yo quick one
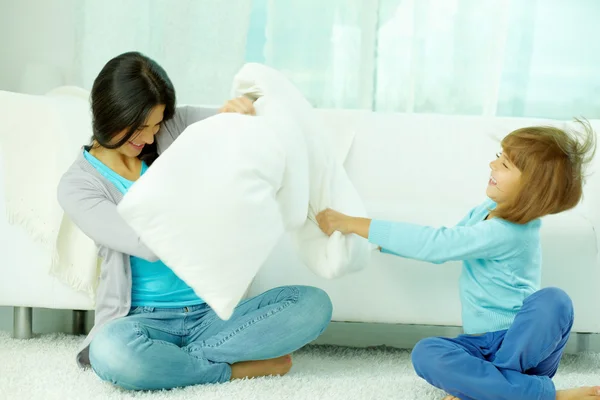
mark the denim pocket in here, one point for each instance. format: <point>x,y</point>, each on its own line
<point>134,310</point>
<point>140,310</point>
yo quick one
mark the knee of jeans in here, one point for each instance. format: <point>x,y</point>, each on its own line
<point>556,301</point>
<point>426,356</point>
<point>319,304</point>
<point>111,355</point>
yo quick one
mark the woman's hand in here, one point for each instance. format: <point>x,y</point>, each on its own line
<point>330,221</point>
<point>241,105</point>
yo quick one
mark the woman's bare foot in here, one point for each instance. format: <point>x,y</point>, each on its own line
<point>451,398</point>
<point>253,369</point>
<point>582,393</point>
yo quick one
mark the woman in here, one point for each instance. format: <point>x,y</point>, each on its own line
<point>151,330</point>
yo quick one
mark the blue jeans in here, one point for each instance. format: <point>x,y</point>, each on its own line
<point>515,364</point>
<point>154,348</point>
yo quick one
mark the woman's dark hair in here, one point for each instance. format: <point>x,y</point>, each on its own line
<point>124,93</point>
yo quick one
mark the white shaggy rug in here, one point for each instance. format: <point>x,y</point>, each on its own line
<point>44,368</point>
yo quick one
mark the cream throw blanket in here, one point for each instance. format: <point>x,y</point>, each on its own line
<point>57,123</point>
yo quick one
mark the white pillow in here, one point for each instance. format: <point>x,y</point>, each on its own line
<point>293,195</point>
<point>211,205</point>
<point>329,187</point>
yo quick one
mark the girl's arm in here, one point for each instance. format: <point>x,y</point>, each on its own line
<point>493,239</point>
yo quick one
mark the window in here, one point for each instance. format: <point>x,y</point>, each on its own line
<point>524,58</point>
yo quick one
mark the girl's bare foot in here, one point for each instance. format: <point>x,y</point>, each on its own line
<point>451,398</point>
<point>587,393</point>
<point>253,369</point>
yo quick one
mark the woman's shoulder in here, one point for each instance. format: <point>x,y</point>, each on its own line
<point>79,172</point>
<point>78,180</point>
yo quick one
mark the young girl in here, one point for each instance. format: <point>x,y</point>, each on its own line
<point>515,333</point>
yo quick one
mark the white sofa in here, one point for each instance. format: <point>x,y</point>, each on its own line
<point>431,169</point>
<point>428,169</point>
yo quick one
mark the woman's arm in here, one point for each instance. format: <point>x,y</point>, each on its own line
<point>491,239</point>
<point>98,218</point>
<point>184,117</point>
<point>187,115</point>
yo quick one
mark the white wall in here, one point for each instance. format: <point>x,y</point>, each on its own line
<point>68,42</point>
<point>34,33</point>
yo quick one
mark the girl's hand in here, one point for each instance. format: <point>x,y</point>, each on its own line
<point>241,105</point>
<point>330,221</point>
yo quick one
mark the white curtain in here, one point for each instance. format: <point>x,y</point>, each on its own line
<point>535,58</point>
<point>200,43</point>
<point>324,47</point>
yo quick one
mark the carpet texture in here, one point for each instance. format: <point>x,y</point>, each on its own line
<point>45,368</point>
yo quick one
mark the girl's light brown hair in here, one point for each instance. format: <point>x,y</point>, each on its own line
<point>552,162</point>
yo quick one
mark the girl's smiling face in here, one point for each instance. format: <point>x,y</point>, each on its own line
<point>504,179</point>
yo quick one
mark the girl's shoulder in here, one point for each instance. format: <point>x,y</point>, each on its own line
<point>519,233</point>
<point>531,226</point>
